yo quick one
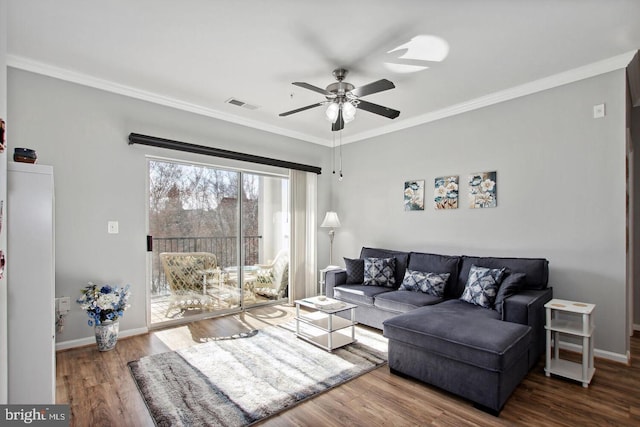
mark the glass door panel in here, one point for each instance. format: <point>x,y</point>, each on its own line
<point>194,224</point>
<point>265,213</point>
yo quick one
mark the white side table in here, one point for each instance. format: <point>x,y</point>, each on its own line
<point>323,274</point>
<point>571,318</point>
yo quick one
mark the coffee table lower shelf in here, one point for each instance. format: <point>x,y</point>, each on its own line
<point>324,328</point>
<point>338,339</point>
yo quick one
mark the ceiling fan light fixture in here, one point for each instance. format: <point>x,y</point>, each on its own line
<point>332,112</point>
<point>348,112</point>
<point>343,99</point>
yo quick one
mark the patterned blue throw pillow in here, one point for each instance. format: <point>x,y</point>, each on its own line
<point>380,272</point>
<point>482,286</point>
<point>428,283</point>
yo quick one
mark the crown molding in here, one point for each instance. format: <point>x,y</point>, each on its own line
<point>49,70</point>
<point>556,80</point>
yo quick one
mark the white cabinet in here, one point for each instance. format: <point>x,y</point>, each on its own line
<point>575,319</point>
<point>30,284</point>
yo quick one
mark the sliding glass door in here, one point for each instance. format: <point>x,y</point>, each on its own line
<point>218,240</point>
<point>265,208</point>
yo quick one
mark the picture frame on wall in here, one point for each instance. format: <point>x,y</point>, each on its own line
<point>483,190</point>
<point>414,195</point>
<point>445,193</point>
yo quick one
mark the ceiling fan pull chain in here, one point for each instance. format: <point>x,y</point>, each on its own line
<point>333,153</point>
<point>340,177</point>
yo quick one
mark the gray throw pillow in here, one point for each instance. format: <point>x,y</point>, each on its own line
<point>380,272</point>
<point>355,271</point>
<point>428,283</point>
<point>482,286</point>
<point>510,286</point>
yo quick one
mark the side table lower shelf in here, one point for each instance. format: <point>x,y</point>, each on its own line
<point>571,370</point>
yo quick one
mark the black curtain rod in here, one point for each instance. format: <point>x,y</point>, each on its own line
<point>136,138</point>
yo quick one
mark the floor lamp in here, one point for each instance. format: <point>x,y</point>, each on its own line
<point>331,221</point>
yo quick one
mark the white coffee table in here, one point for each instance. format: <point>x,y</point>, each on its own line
<point>324,328</point>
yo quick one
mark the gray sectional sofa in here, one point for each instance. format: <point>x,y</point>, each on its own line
<point>478,352</point>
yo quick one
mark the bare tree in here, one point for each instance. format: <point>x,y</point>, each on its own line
<point>198,201</point>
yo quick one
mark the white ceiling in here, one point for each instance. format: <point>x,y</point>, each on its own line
<point>195,54</point>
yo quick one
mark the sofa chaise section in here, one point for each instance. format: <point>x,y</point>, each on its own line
<point>478,352</point>
<point>526,306</point>
<point>469,354</point>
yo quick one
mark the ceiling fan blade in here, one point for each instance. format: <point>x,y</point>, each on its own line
<point>313,88</point>
<point>339,123</point>
<point>378,109</point>
<point>375,87</point>
<point>297,110</point>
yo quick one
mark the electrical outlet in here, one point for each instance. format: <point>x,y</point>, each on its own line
<point>598,111</point>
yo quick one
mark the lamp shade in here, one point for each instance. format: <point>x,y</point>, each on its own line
<point>332,112</point>
<point>331,220</point>
<point>348,112</point>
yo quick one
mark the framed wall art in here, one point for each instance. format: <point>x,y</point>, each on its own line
<point>414,195</point>
<point>483,190</point>
<point>445,194</point>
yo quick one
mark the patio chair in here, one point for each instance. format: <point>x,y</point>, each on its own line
<point>273,278</point>
<point>231,292</point>
<point>188,274</point>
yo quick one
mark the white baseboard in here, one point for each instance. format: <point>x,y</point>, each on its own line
<point>81,342</point>
<point>603,354</point>
<point>636,327</point>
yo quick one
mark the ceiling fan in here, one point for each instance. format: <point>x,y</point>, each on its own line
<point>343,98</point>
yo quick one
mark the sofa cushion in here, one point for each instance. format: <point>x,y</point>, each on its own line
<point>355,270</point>
<point>401,259</point>
<point>536,269</point>
<point>428,283</point>
<point>380,272</point>
<point>482,286</point>
<point>480,341</point>
<point>358,294</point>
<point>509,286</point>
<point>402,301</point>
<point>420,261</point>
<point>470,311</point>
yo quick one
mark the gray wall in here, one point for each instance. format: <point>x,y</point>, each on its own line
<point>561,191</point>
<point>83,133</point>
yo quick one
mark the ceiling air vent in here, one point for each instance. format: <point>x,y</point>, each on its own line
<point>242,104</point>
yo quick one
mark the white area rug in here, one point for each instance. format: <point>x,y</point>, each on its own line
<point>237,382</point>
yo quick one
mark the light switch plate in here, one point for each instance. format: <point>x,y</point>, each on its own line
<point>112,227</point>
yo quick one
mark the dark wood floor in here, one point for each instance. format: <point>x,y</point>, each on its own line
<point>101,392</point>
